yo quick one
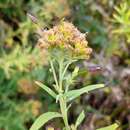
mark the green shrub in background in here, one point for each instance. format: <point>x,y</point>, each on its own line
<point>121,18</point>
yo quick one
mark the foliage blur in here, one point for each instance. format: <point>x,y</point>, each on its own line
<point>107,23</point>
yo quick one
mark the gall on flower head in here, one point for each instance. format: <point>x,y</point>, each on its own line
<point>65,40</point>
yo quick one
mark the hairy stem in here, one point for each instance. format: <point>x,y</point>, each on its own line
<point>54,75</point>
<point>59,87</point>
<point>63,107</point>
<point>61,65</point>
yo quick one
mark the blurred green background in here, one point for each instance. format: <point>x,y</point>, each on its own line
<point>107,23</point>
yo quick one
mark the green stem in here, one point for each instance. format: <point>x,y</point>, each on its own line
<point>67,88</point>
<point>66,67</point>
<point>60,74</point>
<point>54,75</point>
<point>63,107</point>
<point>64,72</point>
<point>62,99</point>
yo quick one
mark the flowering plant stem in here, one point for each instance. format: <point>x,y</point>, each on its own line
<point>63,45</point>
<point>59,88</point>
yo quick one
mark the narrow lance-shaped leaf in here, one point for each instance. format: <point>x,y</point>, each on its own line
<point>80,119</point>
<point>47,89</point>
<point>76,93</point>
<point>44,118</point>
<point>111,127</point>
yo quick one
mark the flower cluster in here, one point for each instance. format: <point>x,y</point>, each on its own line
<point>67,37</point>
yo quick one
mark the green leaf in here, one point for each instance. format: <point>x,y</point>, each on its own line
<point>118,18</point>
<point>80,119</point>
<point>76,93</point>
<point>75,72</point>
<point>47,89</point>
<point>111,127</point>
<point>44,118</point>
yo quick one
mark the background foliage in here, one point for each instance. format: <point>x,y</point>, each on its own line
<point>107,23</point>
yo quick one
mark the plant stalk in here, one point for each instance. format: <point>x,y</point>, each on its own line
<point>62,99</point>
<point>63,107</point>
<point>54,75</point>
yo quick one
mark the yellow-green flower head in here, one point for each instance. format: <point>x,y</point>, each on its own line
<point>65,37</point>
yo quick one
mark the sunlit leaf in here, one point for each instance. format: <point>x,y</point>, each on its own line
<point>111,127</point>
<point>80,119</point>
<point>44,118</point>
<point>47,89</point>
<point>76,93</point>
